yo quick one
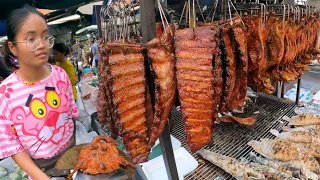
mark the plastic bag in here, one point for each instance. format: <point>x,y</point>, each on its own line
<point>82,136</point>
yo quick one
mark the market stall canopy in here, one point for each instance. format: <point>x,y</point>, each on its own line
<point>88,8</point>
<point>8,5</point>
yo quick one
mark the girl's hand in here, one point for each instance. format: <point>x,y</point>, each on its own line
<point>25,162</point>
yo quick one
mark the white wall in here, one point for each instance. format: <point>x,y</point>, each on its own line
<point>314,3</point>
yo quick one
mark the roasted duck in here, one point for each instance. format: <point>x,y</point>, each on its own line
<point>292,170</point>
<point>243,169</point>
<point>100,156</point>
<point>127,84</point>
<point>195,51</point>
<point>161,53</point>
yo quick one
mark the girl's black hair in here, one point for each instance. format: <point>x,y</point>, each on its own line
<point>14,23</point>
<point>60,47</point>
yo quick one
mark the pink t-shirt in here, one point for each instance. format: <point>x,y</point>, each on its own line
<point>36,119</point>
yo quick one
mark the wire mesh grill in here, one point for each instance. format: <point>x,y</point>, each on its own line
<point>232,139</point>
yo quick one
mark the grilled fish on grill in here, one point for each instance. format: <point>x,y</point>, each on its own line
<point>277,149</point>
<point>243,169</point>
<point>303,136</point>
<point>238,169</point>
<point>195,49</point>
<point>128,89</point>
<point>315,128</point>
<point>161,52</point>
<point>292,170</point>
<point>305,119</point>
<point>287,151</point>
<point>313,149</point>
<point>307,162</point>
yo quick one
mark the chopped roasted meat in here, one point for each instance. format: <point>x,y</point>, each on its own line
<point>100,156</point>
<point>161,52</point>
<point>195,49</point>
<point>249,121</point>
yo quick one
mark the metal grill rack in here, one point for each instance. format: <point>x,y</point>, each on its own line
<point>232,139</point>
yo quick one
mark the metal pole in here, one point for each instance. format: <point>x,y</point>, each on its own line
<point>167,153</point>
<point>298,91</point>
<point>147,19</point>
<point>282,89</point>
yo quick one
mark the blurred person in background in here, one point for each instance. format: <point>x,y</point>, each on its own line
<point>95,51</point>
<point>59,55</point>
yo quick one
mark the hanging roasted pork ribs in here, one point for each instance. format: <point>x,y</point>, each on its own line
<point>195,50</point>
<point>228,64</point>
<point>237,100</point>
<point>127,83</point>
<point>217,68</point>
<point>161,53</point>
<point>102,108</point>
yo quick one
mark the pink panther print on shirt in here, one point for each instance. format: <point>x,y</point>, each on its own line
<point>42,119</point>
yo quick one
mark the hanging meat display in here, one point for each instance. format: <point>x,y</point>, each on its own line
<point>211,66</point>
<point>161,53</point>
<point>195,49</point>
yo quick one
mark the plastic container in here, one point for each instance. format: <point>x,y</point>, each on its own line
<point>155,169</point>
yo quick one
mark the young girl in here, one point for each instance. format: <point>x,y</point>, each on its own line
<point>37,104</point>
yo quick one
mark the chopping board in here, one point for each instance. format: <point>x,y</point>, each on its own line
<point>70,158</point>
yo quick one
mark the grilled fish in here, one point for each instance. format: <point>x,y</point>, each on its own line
<point>277,149</point>
<point>302,136</point>
<point>313,149</point>
<point>305,119</point>
<point>238,169</point>
<point>244,169</point>
<point>308,162</point>
<point>271,173</point>
<point>302,128</point>
<point>292,170</point>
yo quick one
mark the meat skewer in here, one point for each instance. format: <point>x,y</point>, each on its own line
<point>161,52</point>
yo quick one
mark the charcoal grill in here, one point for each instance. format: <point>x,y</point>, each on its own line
<point>231,139</point>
